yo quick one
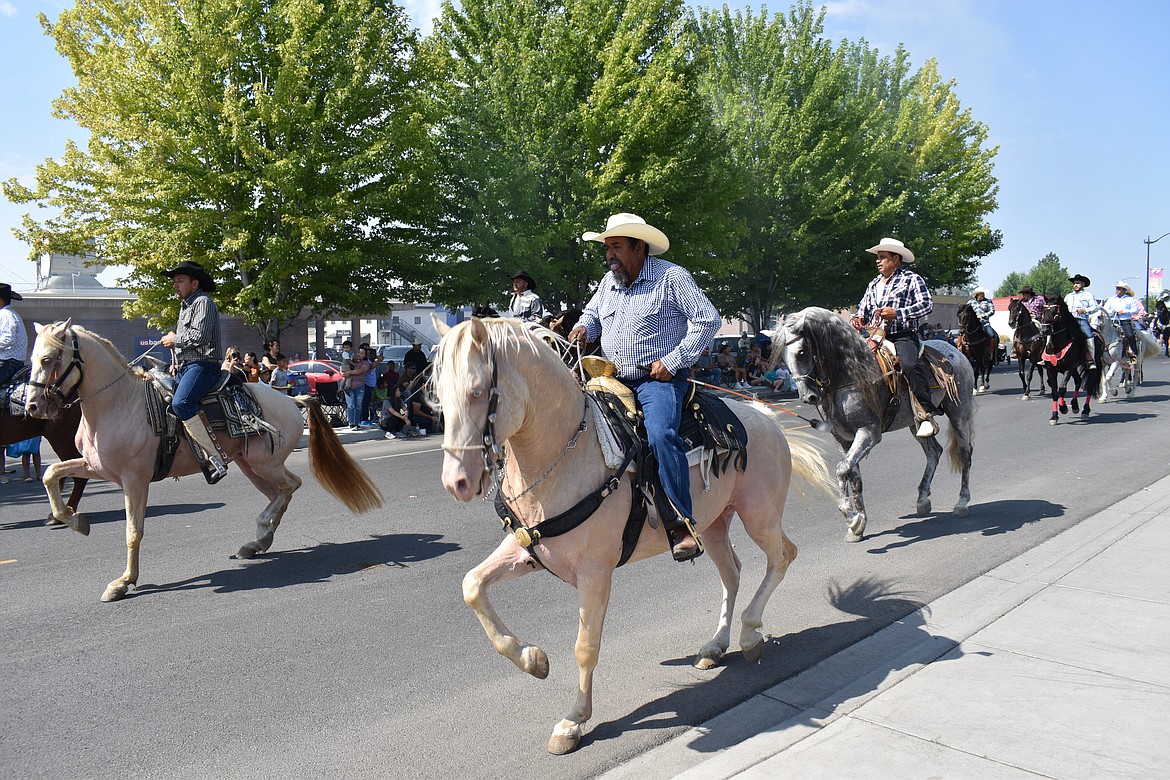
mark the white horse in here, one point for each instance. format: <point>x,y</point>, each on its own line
<point>503,388</point>
<point>117,441</point>
<point>1119,372</point>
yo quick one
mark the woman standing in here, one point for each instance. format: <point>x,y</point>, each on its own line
<point>354,370</point>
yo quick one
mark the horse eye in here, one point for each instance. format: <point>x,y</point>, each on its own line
<point>477,393</point>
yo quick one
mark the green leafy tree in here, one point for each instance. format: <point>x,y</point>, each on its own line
<point>277,143</point>
<point>1011,284</point>
<point>1049,278</point>
<point>554,115</point>
<point>835,148</point>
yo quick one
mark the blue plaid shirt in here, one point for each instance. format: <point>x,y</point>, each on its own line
<point>662,315</point>
<point>906,292</point>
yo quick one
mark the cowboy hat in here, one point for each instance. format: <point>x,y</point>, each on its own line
<point>632,226</point>
<point>6,291</point>
<point>1124,285</point>
<point>1027,288</point>
<point>895,246</point>
<point>978,290</point>
<point>195,271</point>
<point>1084,280</point>
<point>1164,294</point>
<point>524,275</point>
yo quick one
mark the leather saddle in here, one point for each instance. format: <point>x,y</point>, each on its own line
<point>229,406</point>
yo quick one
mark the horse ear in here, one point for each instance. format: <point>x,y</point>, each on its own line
<point>65,325</point>
<point>38,327</point>
<point>441,326</point>
<point>479,331</point>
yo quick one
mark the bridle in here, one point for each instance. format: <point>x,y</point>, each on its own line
<point>813,379</point>
<point>53,391</point>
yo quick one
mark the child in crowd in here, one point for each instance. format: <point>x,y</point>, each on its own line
<point>280,380</point>
<point>29,452</point>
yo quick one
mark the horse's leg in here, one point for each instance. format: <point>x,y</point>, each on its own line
<point>1027,383</point>
<point>763,524</point>
<point>849,480</point>
<point>507,562</point>
<point>933,451</point>
<point>960,452</point>
<point>135,495</point>
<point>59,511</point>
<point>718,545</point>
<point>277,484</point>
<point>593,589</point>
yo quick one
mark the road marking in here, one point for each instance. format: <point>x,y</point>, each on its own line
<point>402,454</point>
<point>4,562</point>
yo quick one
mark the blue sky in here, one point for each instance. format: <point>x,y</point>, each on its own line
<point>1076,95</point>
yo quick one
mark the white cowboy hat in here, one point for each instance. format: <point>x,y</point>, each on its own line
<point>978,290</point>
<point>893,245</point>
<point>1123,285</point>
<point>632,226</point>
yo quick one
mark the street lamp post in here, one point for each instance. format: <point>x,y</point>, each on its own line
<point>1147,242</point>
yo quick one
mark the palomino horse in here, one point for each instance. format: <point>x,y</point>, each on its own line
<point>977,346</point>
<point>118,442</point>
<point>1062,355</point>
<point>501,386</point>
<point>1120,370</point>
<point>60,432</point>
<point>1027,344</point>
<point>836,371</point>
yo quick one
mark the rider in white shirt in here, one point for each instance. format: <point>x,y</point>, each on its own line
<point>1082,304</point>
<point>1125,311</point>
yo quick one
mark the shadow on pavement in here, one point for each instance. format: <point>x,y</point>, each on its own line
<point>989,519</point>
<point>314,564</point>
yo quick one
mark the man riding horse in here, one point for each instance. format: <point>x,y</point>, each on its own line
<point>13,336</point>
<point>654,323</point>
<point>197,359</point>
<point>983,309</point>
<point>1083,305</point>
<point>899,298</point>
<point>1127,312</point>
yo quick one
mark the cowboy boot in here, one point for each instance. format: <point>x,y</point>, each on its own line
<point>211,462</point>
<point>685,542</point>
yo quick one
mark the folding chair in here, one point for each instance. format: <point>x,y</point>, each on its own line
<point>332,402</point>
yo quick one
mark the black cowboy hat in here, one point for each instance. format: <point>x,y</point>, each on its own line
<point>524,275</point>
<point>1027,288</point>
<point>6,291</point>
<point>1080,278</point>
<point>195,271</point>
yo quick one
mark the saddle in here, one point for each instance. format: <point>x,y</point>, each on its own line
<point>12,395</point>
<point>229,406</point>
<point>715,438</point>
<point>942,376</point>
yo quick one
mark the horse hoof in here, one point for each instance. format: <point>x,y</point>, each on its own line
<point>560,744</point>
<point>114,593</point>
<point>707,661</point>
<point>923,508</point>
<point>1052,421</point>
<point>52,522</point>
<point>960,511</point>
<point>852,537</point>
<point>535,662</point>
<point>1085,413</point>
<point>247,552</point>
<point>754,653</point>
<point>78,523</point>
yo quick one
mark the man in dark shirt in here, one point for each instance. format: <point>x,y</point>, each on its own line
<point>197,359</point>
<point>416,358</point>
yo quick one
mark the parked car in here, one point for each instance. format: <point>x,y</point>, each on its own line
<point>393,352</point>
<point>315,371</point>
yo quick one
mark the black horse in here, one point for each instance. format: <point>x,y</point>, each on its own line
<point>1027,344</point>
<point>977,346</point>
<point>1063,354</point>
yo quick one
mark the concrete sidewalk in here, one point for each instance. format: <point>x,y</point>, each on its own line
<point>1056,664</point>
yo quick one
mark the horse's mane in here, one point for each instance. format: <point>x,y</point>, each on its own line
<point>54,337</point>
<point>505,336</point>
<point>840,353</point>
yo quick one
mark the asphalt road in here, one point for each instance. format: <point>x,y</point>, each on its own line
<point>347,651</point>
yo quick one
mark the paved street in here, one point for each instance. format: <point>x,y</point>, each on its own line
<point>348,651</point>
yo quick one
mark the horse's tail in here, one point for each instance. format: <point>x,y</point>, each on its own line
<point>332,465</point>
<point>809,464</point>
<point>954,450</point>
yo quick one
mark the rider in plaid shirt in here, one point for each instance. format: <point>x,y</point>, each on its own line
<point>899,298</point>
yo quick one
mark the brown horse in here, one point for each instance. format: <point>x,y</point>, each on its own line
<point>60,432</point>
<point>118,442</point>
<point>1027,344</point>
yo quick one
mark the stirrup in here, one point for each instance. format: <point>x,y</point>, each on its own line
<point>927,428</point>
<point>688,553</point>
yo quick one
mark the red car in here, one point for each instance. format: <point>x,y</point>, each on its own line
<point>316,371</point>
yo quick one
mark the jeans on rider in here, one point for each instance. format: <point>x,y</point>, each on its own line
<point>662,404</point>
<point>195,380</point>
<point>9,367</point>
<point>1087,331</point>
<point>990,331</point>
<point>1127,330</point>
<point>906,345</point>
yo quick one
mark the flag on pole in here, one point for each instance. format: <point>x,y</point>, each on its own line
<point>1155,281</point>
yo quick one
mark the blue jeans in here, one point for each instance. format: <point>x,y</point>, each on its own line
<point>1083,322</point>
<point>353,403</point>
<point>195,379</point>
<point>662,409</point>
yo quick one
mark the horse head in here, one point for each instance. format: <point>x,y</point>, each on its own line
<point>56,370</point>
<point>1018,313</point>
<point>824,354</point>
